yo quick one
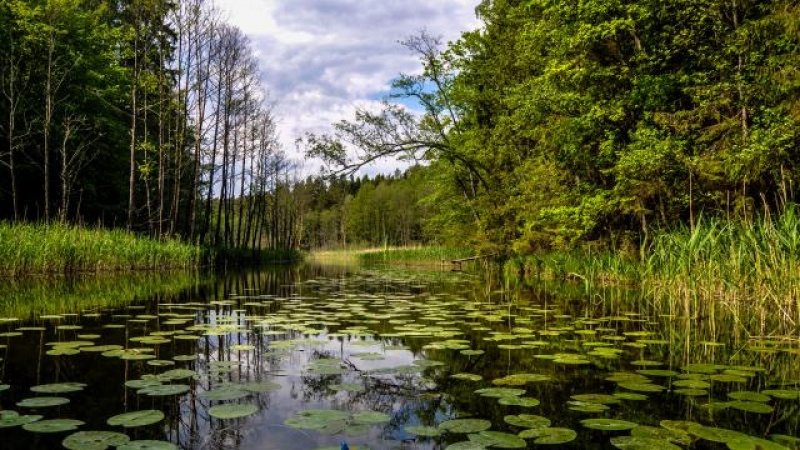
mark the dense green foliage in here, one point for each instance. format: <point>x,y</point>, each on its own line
<point>55,248</point>
<point>143,114</point>
<point>560,122</point>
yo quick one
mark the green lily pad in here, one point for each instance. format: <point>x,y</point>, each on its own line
<point>603,399</point>
<point>549,436</point>
<point>498,439</point>
<point>369,417</point>
<point>632,396</point>
<point>783,394</point>
<point>500,392</point>
<point>463,426</point>
<point>692,384</point>
<point>608,424</point>
<point>752,407</point>
<point>94,440</point>
<point>527,421</point>
<point>749,396</point>
<point>58,388</point>
<point>42,402</point>
<point>148,445</point>
<point>642,443</point>
<point>586,407</point>
<point>316,419</point>
<point>136,418</point>
<point>141,384</point>
<point>675,436</point>
<point>467,377</point>
<point>642,387</point>
<point>52,425</point>
<point>691,392</point>
<point>524,402</point>
<point>163,390</point>
<point>232,411</point>
<point>4,387</point>
<point>14,419</point>
<point>424,431</point>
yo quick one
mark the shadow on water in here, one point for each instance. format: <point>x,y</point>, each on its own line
<point>387,349</point>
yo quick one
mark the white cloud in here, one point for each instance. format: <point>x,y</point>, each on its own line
<point>322,58</point>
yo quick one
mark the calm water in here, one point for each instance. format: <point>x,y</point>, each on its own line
<point>395,354</point>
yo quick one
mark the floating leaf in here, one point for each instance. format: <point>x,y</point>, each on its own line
<point>53,425</point>
<point>232,411</point>
<point>549,436</point>
<point>136,418</point>
<point>527,421</point>
<point>467,377</point>
<point>524,402</point>
<point>225,393</point>
<point>14,419</point>
<point>465,445</point>
<point>500,392</point>
<point>499,439</point>
<point>58,388</point>
<point>603,399</point>
<point>752,407</point>
<point>162,390</point>
<point>676,436</point>
<point>749,396</point>
<point>463,426</point>
<point>608,424</point>
<point>370,417</point>
<point>424,431</point>
<point>43,402</point>
<point>94,440</point>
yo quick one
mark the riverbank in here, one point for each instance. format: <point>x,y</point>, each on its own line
<point>38,249</point>
<point>414,256</point>
<point>750,269</point>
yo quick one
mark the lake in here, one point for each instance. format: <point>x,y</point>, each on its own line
<point>305,357</point>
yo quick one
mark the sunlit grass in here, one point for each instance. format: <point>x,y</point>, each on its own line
<point>56,248</point>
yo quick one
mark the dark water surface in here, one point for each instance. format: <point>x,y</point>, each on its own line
<point>387,350</point>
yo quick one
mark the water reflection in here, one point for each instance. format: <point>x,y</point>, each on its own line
<point>313,337</point>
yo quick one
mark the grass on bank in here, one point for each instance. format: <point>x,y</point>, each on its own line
<point>391,255</point>
<point>749,268</point>
<point>58,248</point>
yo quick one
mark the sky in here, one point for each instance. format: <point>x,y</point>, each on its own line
<point>323,59</point>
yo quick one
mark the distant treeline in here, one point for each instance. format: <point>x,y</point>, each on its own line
<point>147,115</point>
<point>361,211</point>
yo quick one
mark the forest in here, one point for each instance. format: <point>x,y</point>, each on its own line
<point>561,123</point>
<point>552,125</point>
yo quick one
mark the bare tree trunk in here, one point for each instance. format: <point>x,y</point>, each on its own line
<point>132,149</point>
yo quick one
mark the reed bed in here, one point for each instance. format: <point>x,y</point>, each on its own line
<point>412,255</point>
<point>747,269</point>
<point>56,248</point>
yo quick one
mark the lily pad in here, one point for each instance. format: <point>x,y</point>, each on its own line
<point>14,419</point>
<point>498,439</point>
<point>549,436</point>
<point>53,425</point>
<point>524,402</point>
<point>527,421</point>
<point>136,418</point>
<point>500,392</point>
<point>603,399</point>
<point>465,445</point>
<point>749,396</point>
<point>608,424</point>
<point>675,436</point>
<point>58,388</point>
<point>752,407</point>
<point>463,426</point>
<point>94,440</point>
<point>369,417</point>
<point>42,402</point>
<point>232,411</point>
<point>225,393</point>
<point>163,390</point>
<point>424,431</point>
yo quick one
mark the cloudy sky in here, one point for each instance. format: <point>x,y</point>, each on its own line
<point>321,59</point>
